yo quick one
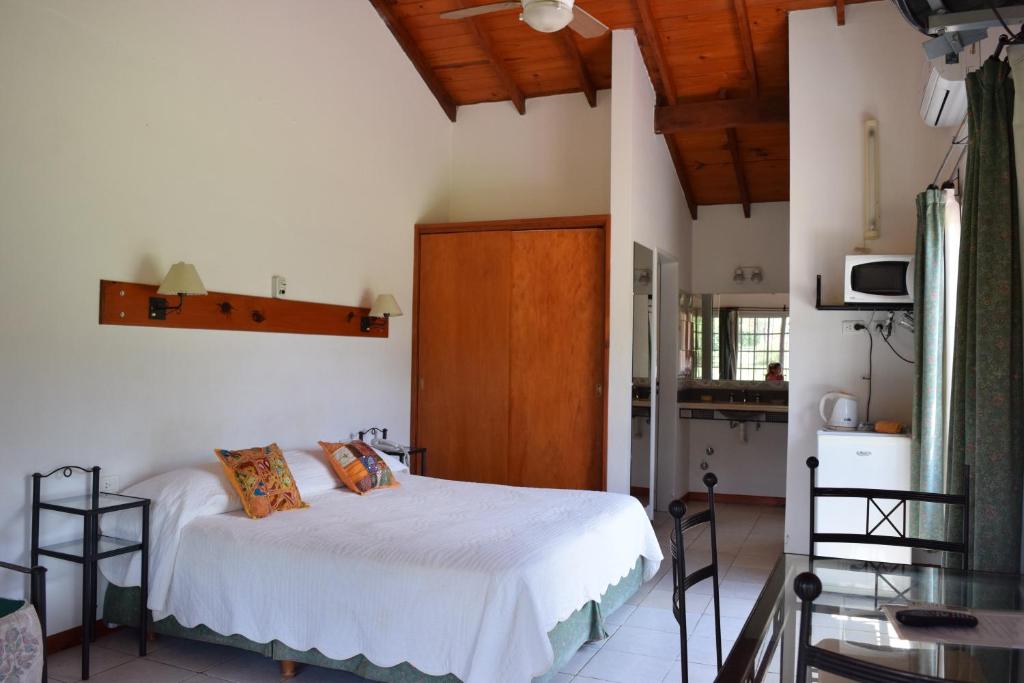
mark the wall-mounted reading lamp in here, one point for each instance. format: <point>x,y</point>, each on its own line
<point>182,279</point>
<point>384,307</point>
<point>740,274</point>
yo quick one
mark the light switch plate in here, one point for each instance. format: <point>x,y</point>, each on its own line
<point>278,286</point>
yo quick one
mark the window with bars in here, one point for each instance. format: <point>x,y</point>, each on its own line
<point>763,338</point>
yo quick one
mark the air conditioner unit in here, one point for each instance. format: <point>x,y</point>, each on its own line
<point>944,102</point>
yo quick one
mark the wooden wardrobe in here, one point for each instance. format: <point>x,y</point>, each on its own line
<point>510,351</point>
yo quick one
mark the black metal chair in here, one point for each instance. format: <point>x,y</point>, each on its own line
<point>37,598</point>
<point>681,581</point>
<point>901,539</point>
<point>808,587</point>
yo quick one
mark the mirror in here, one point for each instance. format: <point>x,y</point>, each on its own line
<point>644,371</point>
<point>734,337</point>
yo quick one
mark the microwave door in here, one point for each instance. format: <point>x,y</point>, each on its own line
<point>880,278</point>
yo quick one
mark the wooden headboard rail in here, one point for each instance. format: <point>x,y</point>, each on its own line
<point>127,303</point>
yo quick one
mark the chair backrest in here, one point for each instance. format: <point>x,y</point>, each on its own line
<point>681,581</point>
<point>37,596</point>
<point>886,522</point>
<point>807,587</point>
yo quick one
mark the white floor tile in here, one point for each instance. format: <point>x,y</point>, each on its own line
<point>195,655</point>
<point>624,667</point>
<point>698,673</point>
<point>653,618</point>
<point>738,608</point>
<point>67,664</point>
<point>142,670</point>
<point>126,640</point>
<point>619,616</point>
<point>657,598</point>
<point>248,668</point>
<point>642,641</point>
<point>580,659</point>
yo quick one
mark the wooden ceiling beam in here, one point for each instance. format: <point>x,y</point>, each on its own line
<point>386,10</point>
<point>572,51</point>
<point>651,43</point>
<point>840,12</point>
<point>747,43</point>
<point>487,47</point>
<point>718,114</point>
<point>733,143</point>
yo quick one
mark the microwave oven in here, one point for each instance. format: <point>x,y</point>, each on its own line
<point>873,279</point>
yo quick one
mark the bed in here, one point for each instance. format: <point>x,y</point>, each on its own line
<point>435,580</point>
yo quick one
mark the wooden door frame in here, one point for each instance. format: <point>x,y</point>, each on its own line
<point>602,221</point>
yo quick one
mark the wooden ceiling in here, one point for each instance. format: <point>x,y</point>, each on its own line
<point>719,68</point>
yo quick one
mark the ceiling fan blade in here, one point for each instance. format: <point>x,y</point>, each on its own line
<point>482,9</point>
<point>585,24</point>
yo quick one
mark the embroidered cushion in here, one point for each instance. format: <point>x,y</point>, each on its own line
<point>262,479</point>
<point>359,466</point>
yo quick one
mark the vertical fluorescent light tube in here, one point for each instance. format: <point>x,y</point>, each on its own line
<point>872,182</point>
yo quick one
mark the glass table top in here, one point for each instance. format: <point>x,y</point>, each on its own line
<point>848,618</point>
<point>106,500</point>
<point>104,544</point>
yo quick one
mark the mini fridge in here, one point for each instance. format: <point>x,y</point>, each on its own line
<point>861,460</point>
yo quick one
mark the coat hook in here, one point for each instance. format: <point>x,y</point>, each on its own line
<point>225,307</point>
<point>258,317</point>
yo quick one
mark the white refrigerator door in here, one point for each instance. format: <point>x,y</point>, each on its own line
<point>862,461</point>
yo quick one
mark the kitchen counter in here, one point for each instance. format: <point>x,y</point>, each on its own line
<point>733,405</point>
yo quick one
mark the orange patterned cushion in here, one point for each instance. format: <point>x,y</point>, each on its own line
<point>358,466</point>
<point>262,479</point>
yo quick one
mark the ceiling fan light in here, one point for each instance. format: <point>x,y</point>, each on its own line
<point>547,16</point>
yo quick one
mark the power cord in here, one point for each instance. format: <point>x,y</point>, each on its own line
<point>885,332</point>
<point>871,352</point>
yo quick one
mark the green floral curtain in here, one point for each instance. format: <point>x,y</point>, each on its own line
<point>928,443</point>
<point>986,429</point>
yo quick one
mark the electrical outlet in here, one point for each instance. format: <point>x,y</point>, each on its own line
<point>850,326</point>
<point>109,483</point>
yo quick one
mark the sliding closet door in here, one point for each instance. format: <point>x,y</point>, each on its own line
<point>463,354</point>
<point>557,350</point>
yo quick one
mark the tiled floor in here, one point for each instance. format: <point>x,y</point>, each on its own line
<point>643,645</point>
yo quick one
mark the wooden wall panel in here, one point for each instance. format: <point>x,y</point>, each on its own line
<point>556,420</point>
<point>462,352</point>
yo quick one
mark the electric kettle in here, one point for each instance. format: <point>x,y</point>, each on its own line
<point>843,415</point>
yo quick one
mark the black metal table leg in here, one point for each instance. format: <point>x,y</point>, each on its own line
<point>144,583</point>
<point>86,583</point>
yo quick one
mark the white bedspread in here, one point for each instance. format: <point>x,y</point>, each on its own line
<point>449,576</point>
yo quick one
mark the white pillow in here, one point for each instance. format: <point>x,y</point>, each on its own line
<point>312,473</point>
<point>177,497</point>
<point>394,463</point>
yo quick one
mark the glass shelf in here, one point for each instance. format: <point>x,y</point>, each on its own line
<point>107,546</point>
<point>107,501</point>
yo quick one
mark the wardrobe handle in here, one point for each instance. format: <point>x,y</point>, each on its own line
<point>600,389</point>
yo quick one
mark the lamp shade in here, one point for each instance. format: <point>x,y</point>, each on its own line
<point>385,306</point>
<point>547,16</point>
<point>182,278</point>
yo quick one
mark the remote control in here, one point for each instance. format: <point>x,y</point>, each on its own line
<point>936,617</point>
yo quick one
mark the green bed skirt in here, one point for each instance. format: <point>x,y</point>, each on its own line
<point>120,606</point>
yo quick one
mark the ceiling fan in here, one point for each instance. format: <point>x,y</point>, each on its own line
<point>546,16</point>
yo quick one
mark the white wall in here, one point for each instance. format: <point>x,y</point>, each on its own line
<point>840,76</point>
<point>756,467</point>
<point>232,134</point>
<point>723,239</point>
<point>647,206</point>
<point>553,161</point>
